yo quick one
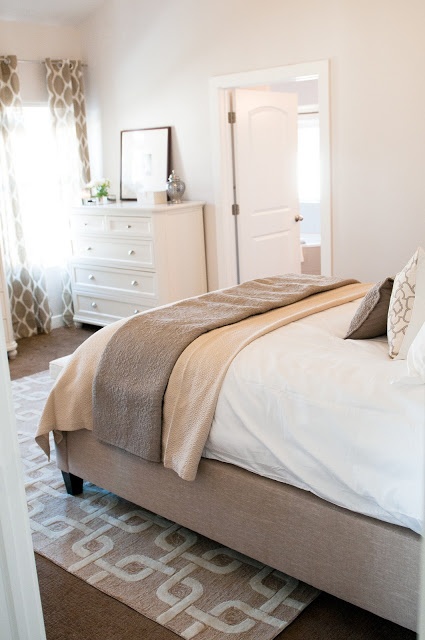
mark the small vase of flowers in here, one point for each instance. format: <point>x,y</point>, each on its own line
<point>100,190</point>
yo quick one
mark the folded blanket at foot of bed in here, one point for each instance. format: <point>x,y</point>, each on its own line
<point>141,355</point>
<point>128,365</point>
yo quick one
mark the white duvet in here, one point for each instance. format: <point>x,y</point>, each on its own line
<point>324,414</point>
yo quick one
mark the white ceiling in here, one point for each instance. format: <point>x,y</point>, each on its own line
<point>57,12</point>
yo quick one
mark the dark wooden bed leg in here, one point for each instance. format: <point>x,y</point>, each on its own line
<point>73,484</point>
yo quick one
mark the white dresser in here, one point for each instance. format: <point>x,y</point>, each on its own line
<point>129,257</point>
<point>11,345</point>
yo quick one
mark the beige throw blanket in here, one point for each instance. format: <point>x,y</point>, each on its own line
<point>133,372</point>
<point>195,382</point>
<point>189,402</point>
<point>69,406</point>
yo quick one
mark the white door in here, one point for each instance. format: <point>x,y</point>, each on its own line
<point>265,172</point>
<point>21,616</point>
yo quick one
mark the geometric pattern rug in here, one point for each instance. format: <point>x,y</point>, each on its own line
<point>183,581</point>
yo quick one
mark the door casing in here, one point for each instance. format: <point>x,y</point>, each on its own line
<point>222,158</point>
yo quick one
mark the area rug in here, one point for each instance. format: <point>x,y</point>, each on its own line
<point>29,395</point>
<point>181,580</point>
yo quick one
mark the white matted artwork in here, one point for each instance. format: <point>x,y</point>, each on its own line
<point>145,161</point>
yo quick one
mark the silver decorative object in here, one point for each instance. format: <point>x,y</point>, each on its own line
<point>175,188</point>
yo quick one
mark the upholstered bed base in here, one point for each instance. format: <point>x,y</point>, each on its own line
<point>371,564</point>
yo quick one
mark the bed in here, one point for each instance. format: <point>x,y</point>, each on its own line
<point>310,460</point>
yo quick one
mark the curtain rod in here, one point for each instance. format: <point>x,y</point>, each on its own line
<point>7,60</point>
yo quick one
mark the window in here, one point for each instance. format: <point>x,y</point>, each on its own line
<point>43,215</point>
<point>308,158</point>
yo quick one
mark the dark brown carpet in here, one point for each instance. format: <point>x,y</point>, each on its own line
<point>74,610</point>
<point>34,354</point>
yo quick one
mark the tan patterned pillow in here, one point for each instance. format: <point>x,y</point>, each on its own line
<point>417,318</point>
<point>401,304</point>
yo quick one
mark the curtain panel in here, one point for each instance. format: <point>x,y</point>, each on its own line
<point>67,107</point>
<point>26,283</point>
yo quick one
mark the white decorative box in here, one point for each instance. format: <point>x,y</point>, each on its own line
<point>152,197</point>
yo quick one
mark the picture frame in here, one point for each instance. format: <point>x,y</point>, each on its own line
<point>145,161</point>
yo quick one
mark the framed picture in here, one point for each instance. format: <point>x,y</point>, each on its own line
<point>145,161</point>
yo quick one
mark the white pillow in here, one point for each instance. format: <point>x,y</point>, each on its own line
<point>416,357</point>
<point>415,364</point>
<point>406,312</point>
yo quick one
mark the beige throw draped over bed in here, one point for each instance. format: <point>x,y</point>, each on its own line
<point>149,384</point>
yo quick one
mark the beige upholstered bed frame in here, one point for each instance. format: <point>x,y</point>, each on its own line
<point>371,564</point>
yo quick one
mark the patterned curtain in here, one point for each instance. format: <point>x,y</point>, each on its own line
<point>67,106</point>
<point>26,283</point>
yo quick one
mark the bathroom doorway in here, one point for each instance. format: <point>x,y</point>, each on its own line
<point>305,79</point>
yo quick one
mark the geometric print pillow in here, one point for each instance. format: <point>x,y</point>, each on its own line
<point>417,318</point>
<point>401,304</point>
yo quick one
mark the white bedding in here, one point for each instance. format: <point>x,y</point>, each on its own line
<point>335,424</point>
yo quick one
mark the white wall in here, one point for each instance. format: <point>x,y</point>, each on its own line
<point>150,64</point>
<point>36,42</point>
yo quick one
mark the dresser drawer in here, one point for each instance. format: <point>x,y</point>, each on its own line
<point>138,252</point>
<point>86,223</point>
<point>99,310</point>
<point>128,257</point>
<point>139,282</point>
<point>130,226</point>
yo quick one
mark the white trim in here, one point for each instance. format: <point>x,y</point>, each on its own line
<point>219,86</point>
<point>57,322</point>
<point>421,621</point>
<point>21,616</point>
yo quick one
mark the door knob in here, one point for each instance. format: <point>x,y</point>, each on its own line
<point>299,217</point>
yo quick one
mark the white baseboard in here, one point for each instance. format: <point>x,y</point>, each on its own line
<point>57,322</point>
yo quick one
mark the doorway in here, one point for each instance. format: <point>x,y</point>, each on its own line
<point>264,136</point>
<point>224,192</point>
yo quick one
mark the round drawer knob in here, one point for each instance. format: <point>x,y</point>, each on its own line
<point>94,305</point>
<point>131,252</point>
<point>91,277</point>
<point>129,226</point>
<point>136,311</point>
<point>134,283</point>
<point>89,248</point>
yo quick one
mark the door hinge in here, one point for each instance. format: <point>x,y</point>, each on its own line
<point>235,209</point>
<point>231,117</point>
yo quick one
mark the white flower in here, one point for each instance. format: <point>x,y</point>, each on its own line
<point>99,188</point>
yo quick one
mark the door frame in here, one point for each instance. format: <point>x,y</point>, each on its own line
<point>21,615</point>
<point>222,161</point>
